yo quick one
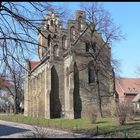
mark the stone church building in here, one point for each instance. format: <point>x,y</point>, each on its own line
<point>62,83</point>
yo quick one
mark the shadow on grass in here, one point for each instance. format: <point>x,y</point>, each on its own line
<point>134,124</point>
<point>99,122</point>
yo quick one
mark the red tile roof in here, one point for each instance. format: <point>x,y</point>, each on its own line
<point>5,83</point>
<point>33,64</point>
<point>127,85</point>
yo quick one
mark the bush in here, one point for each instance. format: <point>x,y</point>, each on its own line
<point>124,111</point>
<point>121,113</point>
<point>130,113</point>
<point>39,132</point>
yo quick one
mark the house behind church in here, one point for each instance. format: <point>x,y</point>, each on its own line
<point>6,99</point>
<point>128,90</point>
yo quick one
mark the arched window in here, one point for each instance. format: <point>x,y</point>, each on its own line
<point>51,22</point>
<point>47,26</point>
<point>55,27</point>
<point>64,42</point>
<point>43,52</point>
<point>54,36</point>
<point>56,50</point>
<point>91,74</point>
<point>49,40</point>
<point>72,33</point>
<point>87,46</point>
<point>79,23</point>
<point>94,46</point>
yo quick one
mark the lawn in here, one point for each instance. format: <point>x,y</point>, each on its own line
<point>104,126</point>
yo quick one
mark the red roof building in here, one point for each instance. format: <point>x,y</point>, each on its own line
<point>6,99</point>
<point>33,64</point>
<point>5,83</point>
<point>127,88</point>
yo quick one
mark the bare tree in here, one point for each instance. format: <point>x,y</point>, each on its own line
<point>20,24</point>
<point>116,64</point>
<point>6,100</point>
<point>99,33</point>
<point>99,21</point>
<point>14,73</point>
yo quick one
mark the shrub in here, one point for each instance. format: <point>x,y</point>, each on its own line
<point>121,113</point>
<point>125,111</point>
<point>130,113</point>
<point>40,132</point>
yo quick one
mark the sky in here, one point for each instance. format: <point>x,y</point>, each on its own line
<point>127,51</point>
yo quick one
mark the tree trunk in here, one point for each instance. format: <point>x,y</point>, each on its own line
<point>98,96</point>
<point>15,105</point>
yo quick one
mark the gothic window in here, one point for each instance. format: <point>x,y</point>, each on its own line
<point>49,40</point>
<point>42,52</point>
<point>94,46</point>
<point>80,23</point>
<point>55,27</point>
<point>54,36</point>
<point>56,50</point>
<point>47,26</point>
<point>64,42</point>
<point>87,46</point>
<point>90,48</point>
<point>72,33</point>
<point>51,22</point>
<point>91,75</point>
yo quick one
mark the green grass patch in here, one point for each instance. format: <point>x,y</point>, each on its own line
<point>104,126</point>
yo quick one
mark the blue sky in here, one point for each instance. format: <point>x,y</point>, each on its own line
<point>126,14</point>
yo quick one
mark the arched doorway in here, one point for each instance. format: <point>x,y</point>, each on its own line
<point>55,104</point>
<point>76,94</point>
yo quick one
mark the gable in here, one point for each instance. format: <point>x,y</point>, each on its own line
<point>127,85</point>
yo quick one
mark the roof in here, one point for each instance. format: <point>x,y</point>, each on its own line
<point>137,98</point>
<point>33,64</point>
<point>127,85</point>
<point>4,83</point>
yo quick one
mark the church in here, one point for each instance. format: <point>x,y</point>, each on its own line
<point>63,84</point>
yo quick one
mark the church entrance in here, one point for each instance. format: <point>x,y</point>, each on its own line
<point>55,105</point>
<point>77,103</point>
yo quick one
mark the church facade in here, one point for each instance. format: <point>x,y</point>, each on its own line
<point>62,83</point>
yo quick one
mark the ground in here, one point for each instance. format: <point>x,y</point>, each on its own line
<point>107,127</point>
<point>19,130</point>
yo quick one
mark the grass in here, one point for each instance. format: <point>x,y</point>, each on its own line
<point>104,126</point>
